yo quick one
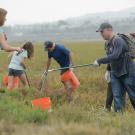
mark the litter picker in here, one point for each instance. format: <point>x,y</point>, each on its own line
<point>44,75</point>
<point>43,81</point>
<point>76,66</point>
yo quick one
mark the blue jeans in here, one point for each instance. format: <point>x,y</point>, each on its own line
<point>109,98</point>
<point>119,86</point>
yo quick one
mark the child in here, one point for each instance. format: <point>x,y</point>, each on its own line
<point>17,64</point>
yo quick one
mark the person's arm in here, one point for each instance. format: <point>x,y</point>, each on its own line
<point>23,64</point>
<point>23,55</point>
<point>118,46</point>
<point>48,63</point>
<point>6,46</point>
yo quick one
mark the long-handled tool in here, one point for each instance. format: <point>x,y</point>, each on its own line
<point>44,75</point>
<point>43,81</point>
<point>76,66</point>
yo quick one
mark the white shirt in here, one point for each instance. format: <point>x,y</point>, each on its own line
<point>15,62</point>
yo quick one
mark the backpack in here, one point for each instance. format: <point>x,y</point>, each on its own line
<point>130,42</point>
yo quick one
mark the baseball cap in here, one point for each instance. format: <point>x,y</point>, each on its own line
<point>48,44</point>
<point>103,26</point>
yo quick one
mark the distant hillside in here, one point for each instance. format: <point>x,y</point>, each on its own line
<point>78,28</point>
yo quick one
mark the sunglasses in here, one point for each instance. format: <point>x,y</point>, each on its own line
<point>101,31</point>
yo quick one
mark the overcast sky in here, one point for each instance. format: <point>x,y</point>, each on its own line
<point>36,11</point>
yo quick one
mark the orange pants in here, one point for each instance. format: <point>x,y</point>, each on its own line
<point>70,76</point>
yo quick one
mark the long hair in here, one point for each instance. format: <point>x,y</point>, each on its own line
<point>3,14</point>
<point>30,49</point>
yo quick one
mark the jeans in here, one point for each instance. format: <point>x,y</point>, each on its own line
<point>119,86</point>
<point>109,98</point>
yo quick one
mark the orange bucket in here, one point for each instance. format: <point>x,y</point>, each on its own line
<point>42,103</point>
<point>15,81</point>
<point>5,80</point>
<point>69,75</point>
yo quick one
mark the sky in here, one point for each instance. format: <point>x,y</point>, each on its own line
<point>39,11</point>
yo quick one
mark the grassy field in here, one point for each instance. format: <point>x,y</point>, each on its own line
<point>84,116</point>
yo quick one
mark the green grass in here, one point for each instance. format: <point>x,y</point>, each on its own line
<point>84,116</point>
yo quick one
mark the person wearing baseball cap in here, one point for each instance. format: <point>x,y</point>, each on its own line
<point>47,45</point>
<point>109,98</point>
<point>121,65</point>
<point>103,26</point>
<point>63,57</point>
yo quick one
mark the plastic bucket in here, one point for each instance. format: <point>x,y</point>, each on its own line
<point>70,76</point>
<point>15,81</point>
<point>42,103</point>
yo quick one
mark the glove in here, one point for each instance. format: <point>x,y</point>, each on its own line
<point>107,76</point>
<point>46,72</point>
<point>96,63</point>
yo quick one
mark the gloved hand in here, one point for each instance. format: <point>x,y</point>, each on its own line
<point>107,76</point>
<point>46,72</point>
<point>96,63</point>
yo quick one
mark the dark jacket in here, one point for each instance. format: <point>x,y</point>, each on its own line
<point>117,57</point>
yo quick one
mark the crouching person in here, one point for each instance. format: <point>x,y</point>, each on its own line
<point>64,59</point>
<point>17,64</point>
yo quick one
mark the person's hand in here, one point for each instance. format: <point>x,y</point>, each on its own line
<point>107,76</point>
<point>96,63</point>
<point>19,49</point>
<point>46,72</point>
